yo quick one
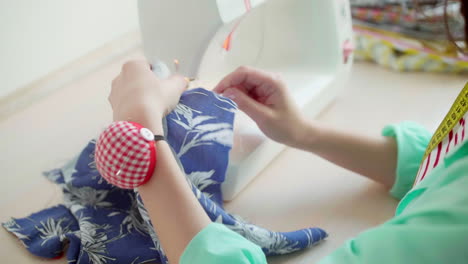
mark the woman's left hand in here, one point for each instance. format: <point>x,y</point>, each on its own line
<point>139,96</point>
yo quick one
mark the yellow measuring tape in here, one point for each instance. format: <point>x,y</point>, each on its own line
<point>456,112</point>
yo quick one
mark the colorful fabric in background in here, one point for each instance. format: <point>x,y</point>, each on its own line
<point>99,223</point>
<point>406,37</point>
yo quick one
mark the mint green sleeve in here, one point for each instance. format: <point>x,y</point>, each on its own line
<point>217,244</point>
<point>412,140</point>
<point>432,230</point>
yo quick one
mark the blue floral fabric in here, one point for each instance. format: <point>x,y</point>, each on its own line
<point>103,224</point>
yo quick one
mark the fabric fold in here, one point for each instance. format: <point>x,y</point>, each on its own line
<point>104,224</point>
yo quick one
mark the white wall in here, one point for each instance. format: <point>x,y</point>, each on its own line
<point>40,36</point>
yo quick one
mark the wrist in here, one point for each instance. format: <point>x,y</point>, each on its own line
<point>306,135</point>
<point>150,115</point>
<point>153,122</point>
<point>155,126</point>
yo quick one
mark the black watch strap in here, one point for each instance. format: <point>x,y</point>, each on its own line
<point>158,138</point>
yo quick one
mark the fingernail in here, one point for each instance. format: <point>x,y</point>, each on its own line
<point>229,94</point>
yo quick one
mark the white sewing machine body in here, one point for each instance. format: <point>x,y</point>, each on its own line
<point>306,41</point>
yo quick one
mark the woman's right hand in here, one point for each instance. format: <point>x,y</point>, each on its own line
<point>266,99</point>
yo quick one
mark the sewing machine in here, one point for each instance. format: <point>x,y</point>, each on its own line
<point>308,41</point>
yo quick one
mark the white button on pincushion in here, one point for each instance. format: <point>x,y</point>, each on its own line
<point>147,134</point>
<point>125,154</point>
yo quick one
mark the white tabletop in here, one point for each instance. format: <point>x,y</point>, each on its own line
<point>297,190</point>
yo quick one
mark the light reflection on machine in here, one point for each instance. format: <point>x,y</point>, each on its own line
<point>306,41</point>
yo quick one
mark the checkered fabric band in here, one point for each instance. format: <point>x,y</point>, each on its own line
<point>125,154</point>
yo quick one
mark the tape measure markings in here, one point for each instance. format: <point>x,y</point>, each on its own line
<point>453,117</point>
<point>457,111</point>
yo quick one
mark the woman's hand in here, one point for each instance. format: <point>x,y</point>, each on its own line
<point>265,98</point>
<point>137,95</point>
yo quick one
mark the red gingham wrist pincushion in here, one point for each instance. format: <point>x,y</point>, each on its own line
<point>125,154</point>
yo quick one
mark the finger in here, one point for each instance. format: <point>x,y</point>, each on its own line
<point>132,65</point>
<point>236,77</point>
<point>244,77</point>
<point>115,81</point>
<point>176,82</point>
<point>252,108</point>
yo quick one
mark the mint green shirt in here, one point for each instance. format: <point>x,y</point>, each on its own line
<point>430,225</point>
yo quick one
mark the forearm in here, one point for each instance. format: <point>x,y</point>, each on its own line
<point>139,96</point>
<point>174,210</point>
<point>373,157</point>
